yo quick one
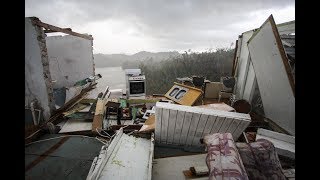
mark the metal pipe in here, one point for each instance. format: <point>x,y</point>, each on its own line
<point>39,115</point>
<point>33,113</point>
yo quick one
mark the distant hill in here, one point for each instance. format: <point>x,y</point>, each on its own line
<point>131,61</point>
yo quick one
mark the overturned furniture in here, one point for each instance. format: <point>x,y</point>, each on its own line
<point>183,94</point>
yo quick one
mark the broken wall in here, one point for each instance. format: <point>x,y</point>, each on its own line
<point>70,59</point>
<point>245,74</point>
<point>273,75</point>
<point>247,85</point>
<point>38,84</point>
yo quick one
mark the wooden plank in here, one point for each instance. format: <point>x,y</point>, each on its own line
<point>179,124</point>
<point>193,127</point>
<point>52,31</point>
<point>209,125</point>
<point>105,93</point>
<point>225,125</point>
<point>199,131</point>
<point>164,125</point>
<point>84,101</point>
<point>58,114</point>
<point>99,115</point>
<point>58,29</point>
<point>217,124</point>
<point>158,124</point>
<point>171,125</point>
<point>76,108</point>
<point>185,127</point>
<point>100,107</point>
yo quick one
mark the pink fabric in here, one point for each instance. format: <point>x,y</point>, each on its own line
<point>223,158</point>
<point>261,160</point>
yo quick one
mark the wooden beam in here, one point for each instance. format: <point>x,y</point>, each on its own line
<point>52,31</point>
<point>106,91</point>
<point>37,22</point>
<point>58,113</point>
<point>234,59</point>
<point>99,115</point>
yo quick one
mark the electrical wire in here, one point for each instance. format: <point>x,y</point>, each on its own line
<point>58,138</point>
<point>108,136</point>
<point>102,141</point>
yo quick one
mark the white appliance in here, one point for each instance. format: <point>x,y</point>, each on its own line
<point>135,84</point>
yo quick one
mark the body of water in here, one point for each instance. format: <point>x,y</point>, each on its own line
<point>114,77</point>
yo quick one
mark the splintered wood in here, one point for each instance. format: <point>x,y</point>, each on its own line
<point>99,115</point>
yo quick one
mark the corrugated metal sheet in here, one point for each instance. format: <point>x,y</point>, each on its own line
<point>127,157</point>
<point>185,125</point>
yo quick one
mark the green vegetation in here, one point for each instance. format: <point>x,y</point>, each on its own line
<point>212,65</point>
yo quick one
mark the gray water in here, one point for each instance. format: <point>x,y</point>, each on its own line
<point>114,77</point>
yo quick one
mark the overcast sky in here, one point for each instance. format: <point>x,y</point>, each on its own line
<point>130,26</point>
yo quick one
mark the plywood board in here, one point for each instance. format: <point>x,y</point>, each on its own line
<point>273,77</point>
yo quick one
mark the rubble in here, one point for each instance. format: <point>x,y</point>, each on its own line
<point>198,129</point>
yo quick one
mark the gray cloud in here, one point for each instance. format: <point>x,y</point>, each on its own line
<point>178,22</point>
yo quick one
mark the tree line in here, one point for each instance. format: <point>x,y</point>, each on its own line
<point>211,64</point>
